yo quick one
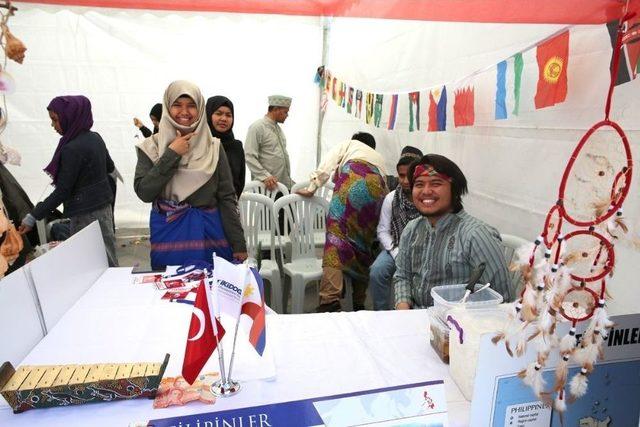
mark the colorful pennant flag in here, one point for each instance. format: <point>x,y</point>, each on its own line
<point>630,53</point>
<point>393,111</point>
<point>463,107</point>
<point>437,109</point>
<point>414,111</point>
<point>370,99</point>
<point>553,61</point>
<point>341,94</point>
<point>350,100</point>
<point>377,110</point>
<point>334,90</point>
<point>201,341</point>
<point>509,79</point>
<point>359,103</point>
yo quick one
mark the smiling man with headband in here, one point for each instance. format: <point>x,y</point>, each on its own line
<point>444,244</point>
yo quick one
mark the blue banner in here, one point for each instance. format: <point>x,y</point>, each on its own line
<point>425,401</point>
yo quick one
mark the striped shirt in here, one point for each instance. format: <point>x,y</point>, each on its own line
<point>445,255</point>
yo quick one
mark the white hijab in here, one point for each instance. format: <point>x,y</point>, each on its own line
<point>199,163</point>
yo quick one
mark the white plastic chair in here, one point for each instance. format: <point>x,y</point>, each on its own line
<point>260,188</point>
<point>304,267</point>
<point>256,216</point>
<point>319,225</point>
<point>510,244</point>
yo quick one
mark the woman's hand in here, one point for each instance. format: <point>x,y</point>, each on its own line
<point>137,123</point>
<point>305,193</point>
<point>181,144</point>
<point>24,229</point>
<point>240,256</point>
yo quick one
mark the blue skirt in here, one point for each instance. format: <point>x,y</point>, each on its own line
<point>181,233</point>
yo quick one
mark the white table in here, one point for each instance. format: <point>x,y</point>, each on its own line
<point>314,354</point>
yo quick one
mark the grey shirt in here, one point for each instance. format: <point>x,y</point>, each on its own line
<point>265,150</point>
<point>218,192</point>
<point>445,255</point>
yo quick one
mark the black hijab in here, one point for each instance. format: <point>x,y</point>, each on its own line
<point>233,148</point>
<point>213,104</point>
<point>156,112</point>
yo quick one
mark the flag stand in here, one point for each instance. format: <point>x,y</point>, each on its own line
<point>225,386</point>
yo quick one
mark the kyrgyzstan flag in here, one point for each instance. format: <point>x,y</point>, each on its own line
<point>553,61</point>
<point>201,342</point>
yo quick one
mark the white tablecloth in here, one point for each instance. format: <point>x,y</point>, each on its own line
<point>310,355</point>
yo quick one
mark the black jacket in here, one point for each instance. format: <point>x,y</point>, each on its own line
<point>235,157</point>
<point>83,185</point>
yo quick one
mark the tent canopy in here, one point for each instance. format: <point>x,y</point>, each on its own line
<point>496,11</point>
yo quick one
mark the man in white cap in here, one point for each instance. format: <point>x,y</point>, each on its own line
<point>265,147</point>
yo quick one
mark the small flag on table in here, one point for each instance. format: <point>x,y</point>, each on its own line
<point>201,341</point>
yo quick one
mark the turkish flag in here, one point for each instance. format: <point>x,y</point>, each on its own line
<point>201,342</point>
<point>553,61</point>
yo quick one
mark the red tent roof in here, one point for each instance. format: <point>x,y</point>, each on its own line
<point>503,11</point>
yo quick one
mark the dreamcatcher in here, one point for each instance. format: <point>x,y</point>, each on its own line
<point>565,274</point>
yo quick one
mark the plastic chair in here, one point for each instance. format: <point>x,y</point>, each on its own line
<point>324,192</point>
<point>256,216</point>
<point>510,244</point>
<point>304,267</point>
<point>319,225</point>
<point>259,188</point>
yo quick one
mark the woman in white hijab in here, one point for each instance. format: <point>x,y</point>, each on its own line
<point>185,174</point>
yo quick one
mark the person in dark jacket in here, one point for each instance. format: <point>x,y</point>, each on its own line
<point>79,170</point>
<point>220,118</point>
<point>155,115</point>
<point>184,172</point>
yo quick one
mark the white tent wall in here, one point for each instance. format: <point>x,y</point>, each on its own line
<point>513,166</point>
<point>124,59</point>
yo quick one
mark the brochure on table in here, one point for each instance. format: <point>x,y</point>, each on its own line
<point>500,399</point>
<point>422,404</point>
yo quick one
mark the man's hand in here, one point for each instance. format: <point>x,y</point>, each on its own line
<point>271,183</point>
<point>403,306</point>
<point>181,144</point>
<point>24,229</point>
<point>240,256</point>
<point>137,123</point>
<point>305,193</point>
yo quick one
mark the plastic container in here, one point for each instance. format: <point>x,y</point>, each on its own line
<point>467,326</point>
<point>439,337</point>
<point>449,296</point>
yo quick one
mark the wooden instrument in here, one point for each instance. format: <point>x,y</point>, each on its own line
<point>31,387</point>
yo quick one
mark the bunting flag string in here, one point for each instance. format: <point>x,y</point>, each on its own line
<point>426,109</point>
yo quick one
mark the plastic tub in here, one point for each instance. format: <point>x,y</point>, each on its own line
<point>467,326</point>
<point>439,337</point>
<point>449,296</point>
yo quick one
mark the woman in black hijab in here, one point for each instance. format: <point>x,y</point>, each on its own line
<point>220,118</point>
<point>155,115</point>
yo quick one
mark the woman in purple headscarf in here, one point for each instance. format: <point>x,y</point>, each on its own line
<point>79,170</point>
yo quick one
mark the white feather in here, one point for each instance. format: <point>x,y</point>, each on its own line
<point>533,378</point>
<point>578,385</point>
<point>567,343</point>
<point>523,254</point>
<point>560,405</point>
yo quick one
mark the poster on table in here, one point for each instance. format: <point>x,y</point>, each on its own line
<point>420,404</point>
<point>501,399</point>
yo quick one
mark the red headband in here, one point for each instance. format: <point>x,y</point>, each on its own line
<point>428,170</point>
